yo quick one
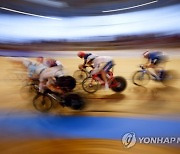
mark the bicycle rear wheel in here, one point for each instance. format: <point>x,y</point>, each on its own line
<point>90,85</point>
<point>140,78</point>
<point>118,84</point>
<point>169,78</point>
<point>74,101</point>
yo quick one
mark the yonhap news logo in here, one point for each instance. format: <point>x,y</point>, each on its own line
<point>130,139</point>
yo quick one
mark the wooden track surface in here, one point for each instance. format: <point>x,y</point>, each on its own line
<point>80,146</point>
<point>154,99</point>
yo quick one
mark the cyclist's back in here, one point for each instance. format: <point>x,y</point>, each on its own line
<point>102,59</point>
<point>154,55</point>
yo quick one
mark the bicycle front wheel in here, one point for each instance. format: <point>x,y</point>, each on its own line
<point>140,78</point>
<point>80,75</point>
<point>90,85</point>
<point>42,103</point>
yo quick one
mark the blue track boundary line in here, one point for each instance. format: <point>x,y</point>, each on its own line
<point>45,126</point>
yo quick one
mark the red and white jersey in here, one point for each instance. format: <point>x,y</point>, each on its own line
<point>101,59</point>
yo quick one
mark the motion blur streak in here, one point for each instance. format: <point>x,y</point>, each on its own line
<point>24,28</point>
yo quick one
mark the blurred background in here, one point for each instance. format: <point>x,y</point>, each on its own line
<point>103,24</point>
<point>123,29</point>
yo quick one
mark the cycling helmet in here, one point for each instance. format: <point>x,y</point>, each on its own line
<point>40,59</point>
<point>91,58</point>
<point>51,62</point>
<point>81,54</point>
<point>145,54</point>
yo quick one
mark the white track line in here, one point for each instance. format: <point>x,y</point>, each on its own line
<point>30,14</point>
<point>132,7</point>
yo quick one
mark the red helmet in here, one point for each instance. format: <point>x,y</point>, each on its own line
<point>145,54</point>
<point>81,54</point>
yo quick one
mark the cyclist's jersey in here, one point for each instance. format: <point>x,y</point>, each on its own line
<point>33,68</point>
<point>102,63</point>
<point>155,55</point>
<point>101,59</point>
<point>39,68</point>
<point>86,56</point>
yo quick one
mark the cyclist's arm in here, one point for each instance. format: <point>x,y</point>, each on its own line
<point>55,89</point>
<point>51,86</point>
<point>85,63</point>
<point>148,63</point>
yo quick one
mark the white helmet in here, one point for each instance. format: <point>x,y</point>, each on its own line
<point>91,58</point>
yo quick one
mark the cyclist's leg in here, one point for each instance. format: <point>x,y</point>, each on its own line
<point>156,68</point>
<point>159,68</point>
<point>103,74</point>
<point>43,78</point>
<point>97,71</point>
<point>104,71</point>
<point>42,85</point>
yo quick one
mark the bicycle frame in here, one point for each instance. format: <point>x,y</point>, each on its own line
<point>116,83</point>
<point>146,71</point>
<point>86,71</point>
<point>109,75</point>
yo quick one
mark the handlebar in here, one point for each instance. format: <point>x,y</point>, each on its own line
<point>142,66</point>
<point>85,66</point>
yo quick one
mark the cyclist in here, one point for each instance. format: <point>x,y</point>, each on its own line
<point>82,54</point>
<point>102,64</point>
<point>154,59</point>
<point>49,77</point>
<point>46,75</point>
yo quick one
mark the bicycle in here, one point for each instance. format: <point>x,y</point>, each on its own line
<point>143,76</point>
<point>81,74</point>
<point>92,84</point>
<point>44,101</point>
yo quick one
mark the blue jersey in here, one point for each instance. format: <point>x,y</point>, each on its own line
<point>155,55</point>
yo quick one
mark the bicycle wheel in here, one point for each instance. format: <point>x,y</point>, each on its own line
<point>42,102</point>
<point>140,78</point>
<point>169,78</point>
<point>67,83</point>
<point>80,75</point>
<point>118,84</point>
<point>90,85</point>
<point>74,101</point>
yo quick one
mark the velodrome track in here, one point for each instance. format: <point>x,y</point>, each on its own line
<point>151,110</point>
